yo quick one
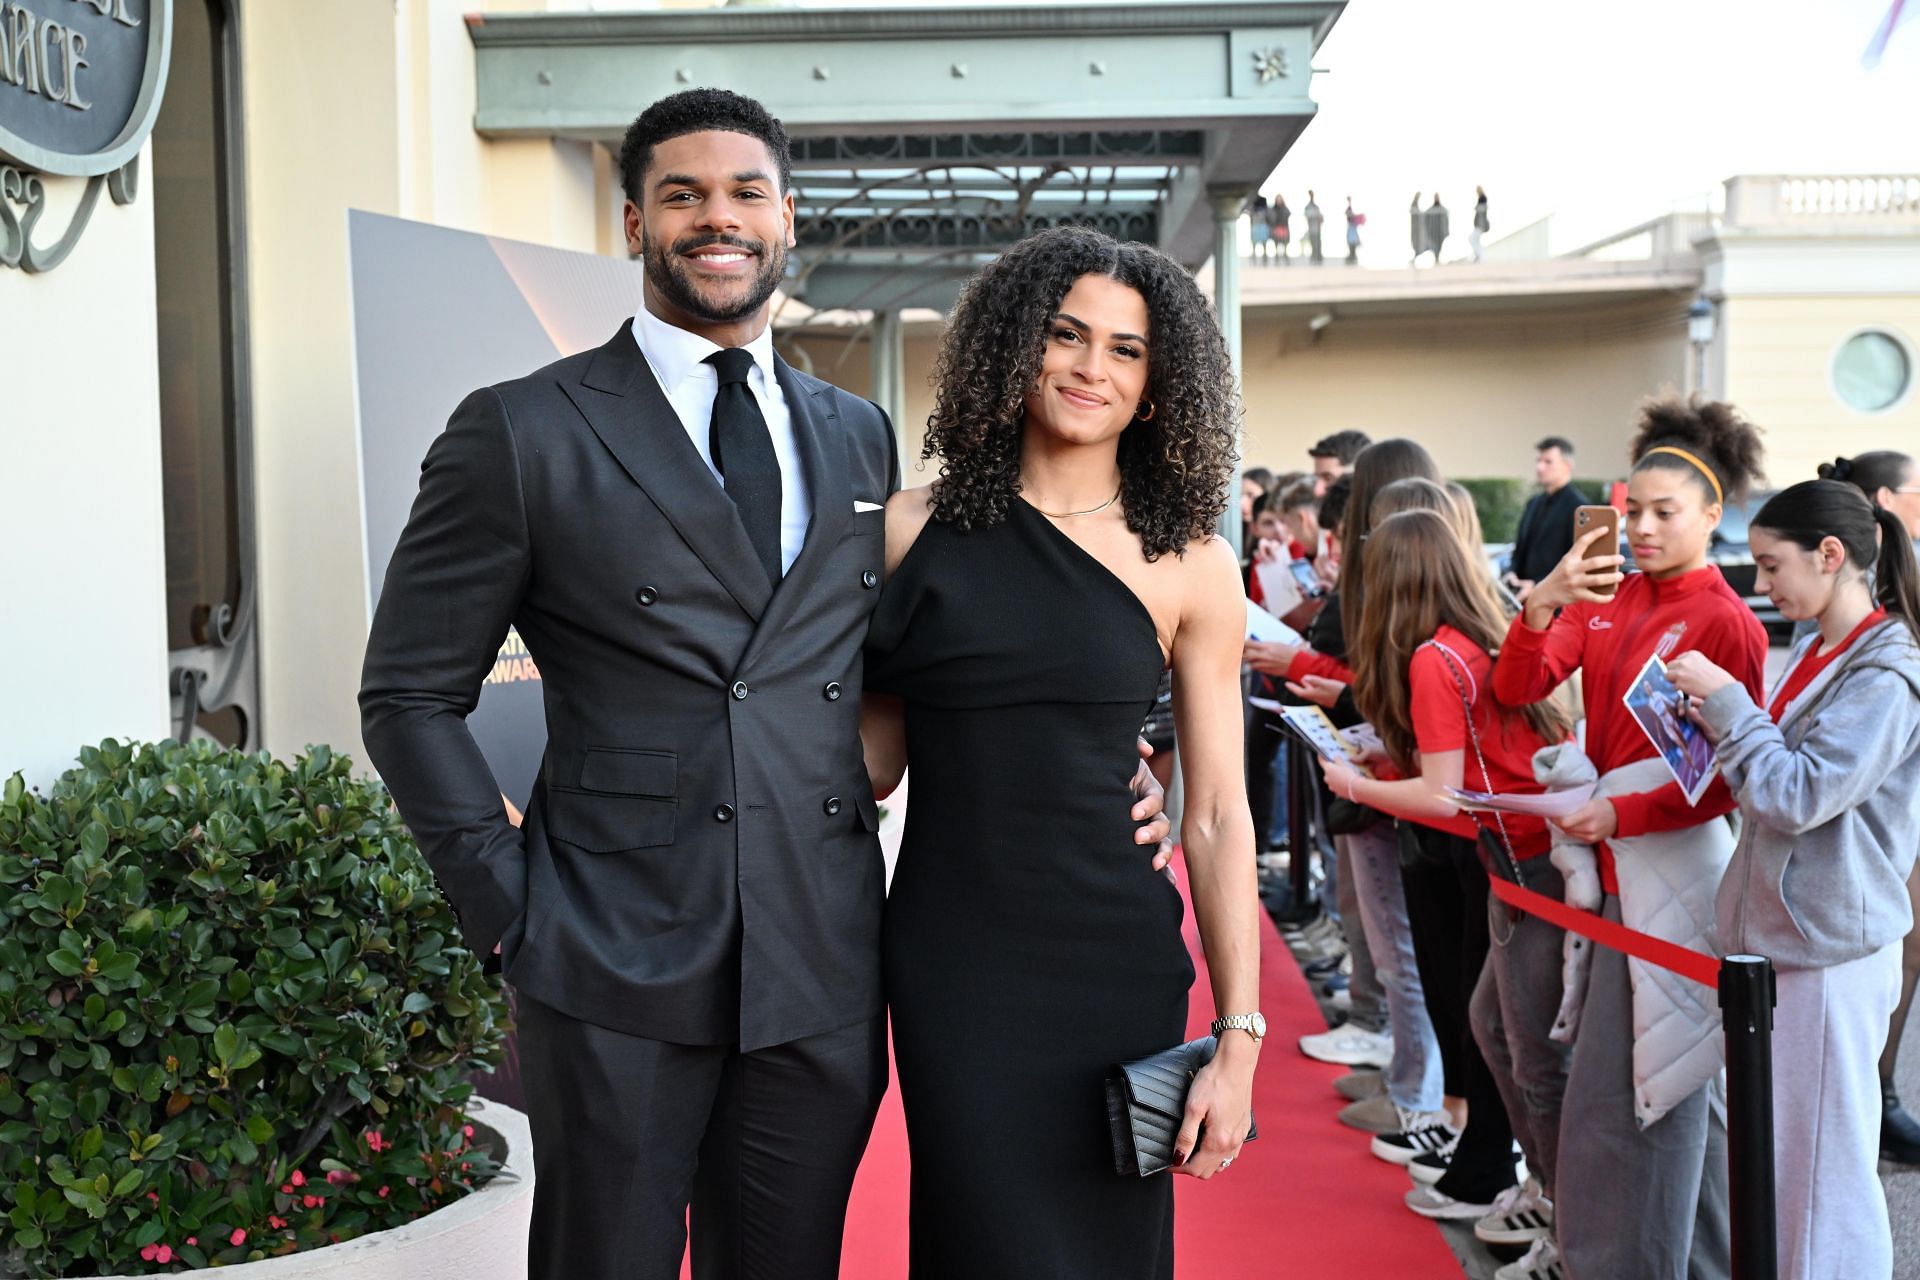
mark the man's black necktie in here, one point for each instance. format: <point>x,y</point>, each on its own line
<point>743,451</point>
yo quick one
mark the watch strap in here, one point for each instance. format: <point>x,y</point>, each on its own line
<point>1235,1022</point>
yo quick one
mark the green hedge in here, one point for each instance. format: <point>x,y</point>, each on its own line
<point>1501,499</point>
<point>236,1017</point>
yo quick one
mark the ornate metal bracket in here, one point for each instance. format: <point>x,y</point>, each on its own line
<point>27,189</point>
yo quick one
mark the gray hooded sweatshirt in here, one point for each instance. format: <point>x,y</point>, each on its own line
<point>1830,807</point>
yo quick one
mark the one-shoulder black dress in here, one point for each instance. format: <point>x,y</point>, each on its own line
<point>1029,944</point>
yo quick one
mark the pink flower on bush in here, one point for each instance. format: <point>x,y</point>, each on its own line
<point>157,1252</point>
<point>238,1237</point>
<point>383,1193</point>
<point>298,1179</point>
<point>375,1142</point>
<point>467,1129</point>
<point>311,1201</point>
<point>193,1239</point>
<point>276,1221</point>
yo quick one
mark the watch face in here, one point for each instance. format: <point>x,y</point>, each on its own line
<point>1260,1026</point>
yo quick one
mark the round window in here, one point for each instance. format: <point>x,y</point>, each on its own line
<point>1872,371</point>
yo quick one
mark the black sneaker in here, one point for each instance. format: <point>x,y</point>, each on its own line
<point>1899,1132</point>
<point>1429,1167</point>
<point>1420,1132</point>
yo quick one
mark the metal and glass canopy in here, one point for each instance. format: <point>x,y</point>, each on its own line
<point>928,137</point>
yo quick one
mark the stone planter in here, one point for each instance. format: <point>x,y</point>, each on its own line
<point>482,1237</point>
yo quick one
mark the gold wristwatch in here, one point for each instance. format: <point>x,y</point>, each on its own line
<point>1253,1024</point>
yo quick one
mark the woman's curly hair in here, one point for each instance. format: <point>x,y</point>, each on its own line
<point>1710,430</point>
<point>1174,468</point>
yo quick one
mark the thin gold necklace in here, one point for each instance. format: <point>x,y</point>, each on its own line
<point>1062,515</point>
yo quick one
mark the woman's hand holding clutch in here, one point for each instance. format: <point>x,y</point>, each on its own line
<point>1219,1109</point>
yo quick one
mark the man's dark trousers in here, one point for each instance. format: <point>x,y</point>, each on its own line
<point>764,1145</point>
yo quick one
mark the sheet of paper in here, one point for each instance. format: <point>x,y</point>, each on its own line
<point>1660,711</point>
<point>1278,586</point>
<point>1547,804</point>
<point>1318,731</point>
<point>1263,626</point>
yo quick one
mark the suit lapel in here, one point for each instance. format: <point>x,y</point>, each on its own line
<point>823,460</point>
<point>624,405</point>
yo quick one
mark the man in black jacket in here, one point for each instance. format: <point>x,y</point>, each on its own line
<point>688,535</point>
<point>1546,526</point>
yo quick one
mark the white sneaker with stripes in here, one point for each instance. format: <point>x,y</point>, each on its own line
<point>1420,1132</point>
<point>1521,1215</point>
<point>1541,1263</point>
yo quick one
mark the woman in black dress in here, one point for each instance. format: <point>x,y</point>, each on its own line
<point>1084,423</point>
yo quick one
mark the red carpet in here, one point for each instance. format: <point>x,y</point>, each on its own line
<point>1305,1200</point>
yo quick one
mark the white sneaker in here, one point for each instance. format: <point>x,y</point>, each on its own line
<point>1541,1263</point>
<point>1521,1215</point>
<point>1431,1202</point>
<point>1349,1046</point>
<point>1420,1132</point>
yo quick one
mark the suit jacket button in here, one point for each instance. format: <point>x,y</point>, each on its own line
<point>646,595</point>
<point>832,806</point>
<point>739,690</point>
<point>869,579</point>
<point>723,814</point>
<point>833,691</point>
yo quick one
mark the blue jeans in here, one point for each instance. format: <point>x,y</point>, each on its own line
<point>1371,860</point>
<point>1279,835</point>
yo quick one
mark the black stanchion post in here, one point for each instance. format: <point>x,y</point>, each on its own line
<point>1299,823</point>
<point>1746,1011</point>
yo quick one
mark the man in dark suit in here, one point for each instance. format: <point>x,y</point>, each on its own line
<point>688,535</point>
<point>1545,533</point>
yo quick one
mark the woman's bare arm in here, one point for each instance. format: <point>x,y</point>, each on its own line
<point>1217,835</point>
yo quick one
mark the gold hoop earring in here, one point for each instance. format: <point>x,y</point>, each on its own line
<point>1152,409</point>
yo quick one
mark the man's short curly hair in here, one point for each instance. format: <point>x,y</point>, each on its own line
<point>1174,468</point>
<point>698,111</point>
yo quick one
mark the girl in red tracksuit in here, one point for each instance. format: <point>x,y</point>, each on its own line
<point>1423,655</point>
<point>1639,1202</point>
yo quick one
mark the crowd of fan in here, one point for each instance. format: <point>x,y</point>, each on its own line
<point>1477,1035</point>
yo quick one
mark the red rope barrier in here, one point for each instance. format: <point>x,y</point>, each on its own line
<point>1695,965</point>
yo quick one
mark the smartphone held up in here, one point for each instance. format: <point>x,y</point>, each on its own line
<point>1585,521</point>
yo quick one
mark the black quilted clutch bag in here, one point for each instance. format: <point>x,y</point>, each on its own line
<point>1146,1102</point>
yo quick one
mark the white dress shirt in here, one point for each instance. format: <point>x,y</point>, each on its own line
<point>678,360</point>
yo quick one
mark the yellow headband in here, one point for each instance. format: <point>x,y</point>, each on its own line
<point>1699,466</point>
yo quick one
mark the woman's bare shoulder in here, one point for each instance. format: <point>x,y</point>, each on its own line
<point>1210,561</point>
<point>907,514</point>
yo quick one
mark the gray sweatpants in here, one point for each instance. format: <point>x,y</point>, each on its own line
<point>1512,1011</point>
<point>1635,1204</point>
<point>1828,1030</point>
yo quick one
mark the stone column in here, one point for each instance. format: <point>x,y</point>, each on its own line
<point>1227,205</point>
<point>889,372</point>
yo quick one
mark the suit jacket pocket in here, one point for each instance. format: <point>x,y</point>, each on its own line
<point>868,522</point>
<point>597,822</point>
<point>630,771</point>
<point>625,800</point>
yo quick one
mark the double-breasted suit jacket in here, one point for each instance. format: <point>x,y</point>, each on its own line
<point>697,862</point>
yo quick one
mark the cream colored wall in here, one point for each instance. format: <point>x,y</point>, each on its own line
<point>320,99</point>
<point>362,104</point>
<point>84,614</point>
<point>1476,391</point>
<point>1779,359</point>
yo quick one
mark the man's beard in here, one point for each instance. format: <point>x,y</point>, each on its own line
<point>670,277</point>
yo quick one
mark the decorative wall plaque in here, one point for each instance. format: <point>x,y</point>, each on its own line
<point>80,88</point>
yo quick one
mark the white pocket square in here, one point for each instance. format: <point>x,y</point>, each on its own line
<point>859,506</point>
